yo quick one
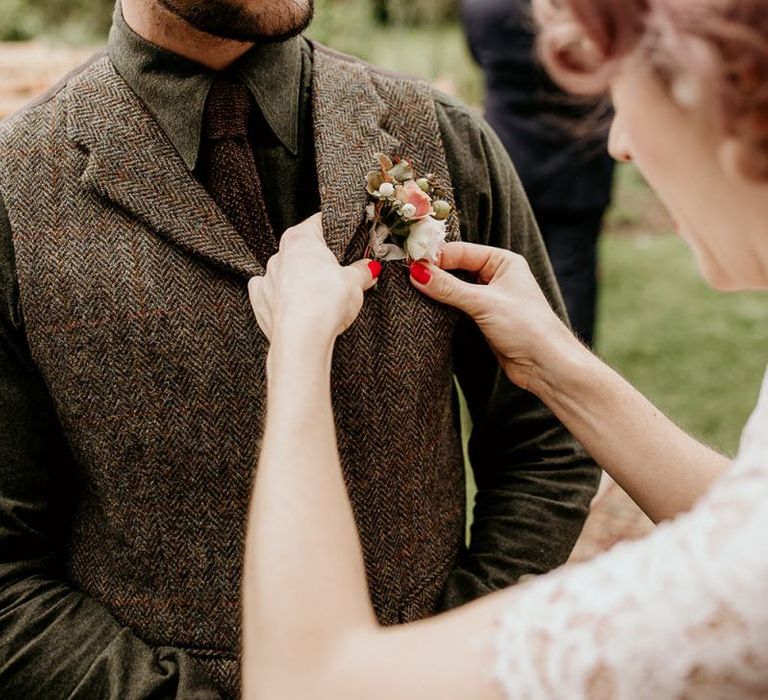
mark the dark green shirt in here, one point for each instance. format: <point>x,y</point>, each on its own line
<point>535,482</point>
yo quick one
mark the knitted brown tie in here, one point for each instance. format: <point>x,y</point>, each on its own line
<point>227,166</point>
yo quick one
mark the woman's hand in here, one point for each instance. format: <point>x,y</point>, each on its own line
<point>305,294</point>
<point>506,303</point>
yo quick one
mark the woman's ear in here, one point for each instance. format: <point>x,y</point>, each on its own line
<point>744,161</point>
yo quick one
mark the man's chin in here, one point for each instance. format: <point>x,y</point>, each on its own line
<point>236,20</point>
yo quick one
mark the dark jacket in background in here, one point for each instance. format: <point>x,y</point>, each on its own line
<point>567,176</point>
<point>531,115</point>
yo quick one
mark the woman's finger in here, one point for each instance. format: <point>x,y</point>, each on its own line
<point>447,289</point>
<point>365,272</point>
<point>472,257</point>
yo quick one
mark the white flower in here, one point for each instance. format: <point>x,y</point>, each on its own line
<point>408,211</point>
<point>370,212</point>
<point>426,239</point>
<point>387,189</point>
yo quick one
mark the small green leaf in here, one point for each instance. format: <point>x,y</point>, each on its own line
<point>442,209</point>
<point>401,171</point>
<point>424,185</point>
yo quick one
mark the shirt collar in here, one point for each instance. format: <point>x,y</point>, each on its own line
<point>174,89</point>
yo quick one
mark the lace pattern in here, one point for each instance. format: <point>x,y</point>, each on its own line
<point>680,614</point>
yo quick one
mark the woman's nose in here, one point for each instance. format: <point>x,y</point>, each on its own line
<point>618,145</point>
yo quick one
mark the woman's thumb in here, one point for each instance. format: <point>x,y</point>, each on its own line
<point>366,272</point>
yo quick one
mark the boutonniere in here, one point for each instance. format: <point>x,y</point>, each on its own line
<point>408,217</point>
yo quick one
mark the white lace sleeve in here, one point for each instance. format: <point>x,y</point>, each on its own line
<point>680,614</point>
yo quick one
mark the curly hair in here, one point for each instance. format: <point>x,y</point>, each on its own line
<point>711,55</point>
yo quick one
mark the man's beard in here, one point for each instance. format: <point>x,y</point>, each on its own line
<point>245,20</point>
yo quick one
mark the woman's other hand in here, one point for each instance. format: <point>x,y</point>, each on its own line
<point>507,304</point>
<point>305,293</point>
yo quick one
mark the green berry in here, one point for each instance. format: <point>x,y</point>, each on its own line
<point>442,209</point>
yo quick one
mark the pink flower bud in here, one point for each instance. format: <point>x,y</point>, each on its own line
<point>411,193</point>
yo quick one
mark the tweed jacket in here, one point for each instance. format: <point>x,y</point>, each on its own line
<point>128,270</point>
<point>137,330</point>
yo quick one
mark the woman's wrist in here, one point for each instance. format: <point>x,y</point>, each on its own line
<point>293,350</point>
<point>560,358</point>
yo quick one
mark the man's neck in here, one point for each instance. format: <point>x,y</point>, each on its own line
<point>150,20</point>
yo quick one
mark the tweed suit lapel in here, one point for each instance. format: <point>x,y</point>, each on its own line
<point>133,164</point>
<point>349,118</point>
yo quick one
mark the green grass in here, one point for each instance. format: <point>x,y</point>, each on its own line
<point>698,354</point>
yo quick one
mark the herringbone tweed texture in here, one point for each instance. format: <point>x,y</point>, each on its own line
<point>133,286</point>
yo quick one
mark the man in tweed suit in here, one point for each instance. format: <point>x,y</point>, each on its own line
<point>136,199</point>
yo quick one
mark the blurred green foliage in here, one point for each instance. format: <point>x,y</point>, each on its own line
<point>416,37</point>
<point>437,53</point>
<point>86,21</point>
<point>396,13</point>
<point>79,21</point>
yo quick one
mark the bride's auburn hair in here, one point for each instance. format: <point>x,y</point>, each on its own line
<point>712,55</point>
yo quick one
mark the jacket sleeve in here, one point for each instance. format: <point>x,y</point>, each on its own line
<point>54,640</point>
<point>535,482</point>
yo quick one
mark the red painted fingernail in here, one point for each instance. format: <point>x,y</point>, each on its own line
<point>375,267</point>
<point>420,273</point>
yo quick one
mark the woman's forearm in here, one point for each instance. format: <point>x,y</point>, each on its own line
<point>304,581</point>
<point>661,467</point>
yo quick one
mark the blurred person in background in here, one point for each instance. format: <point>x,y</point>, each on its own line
<point>567,178</point>
<point>682,613</point>
<point>136,200</point>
